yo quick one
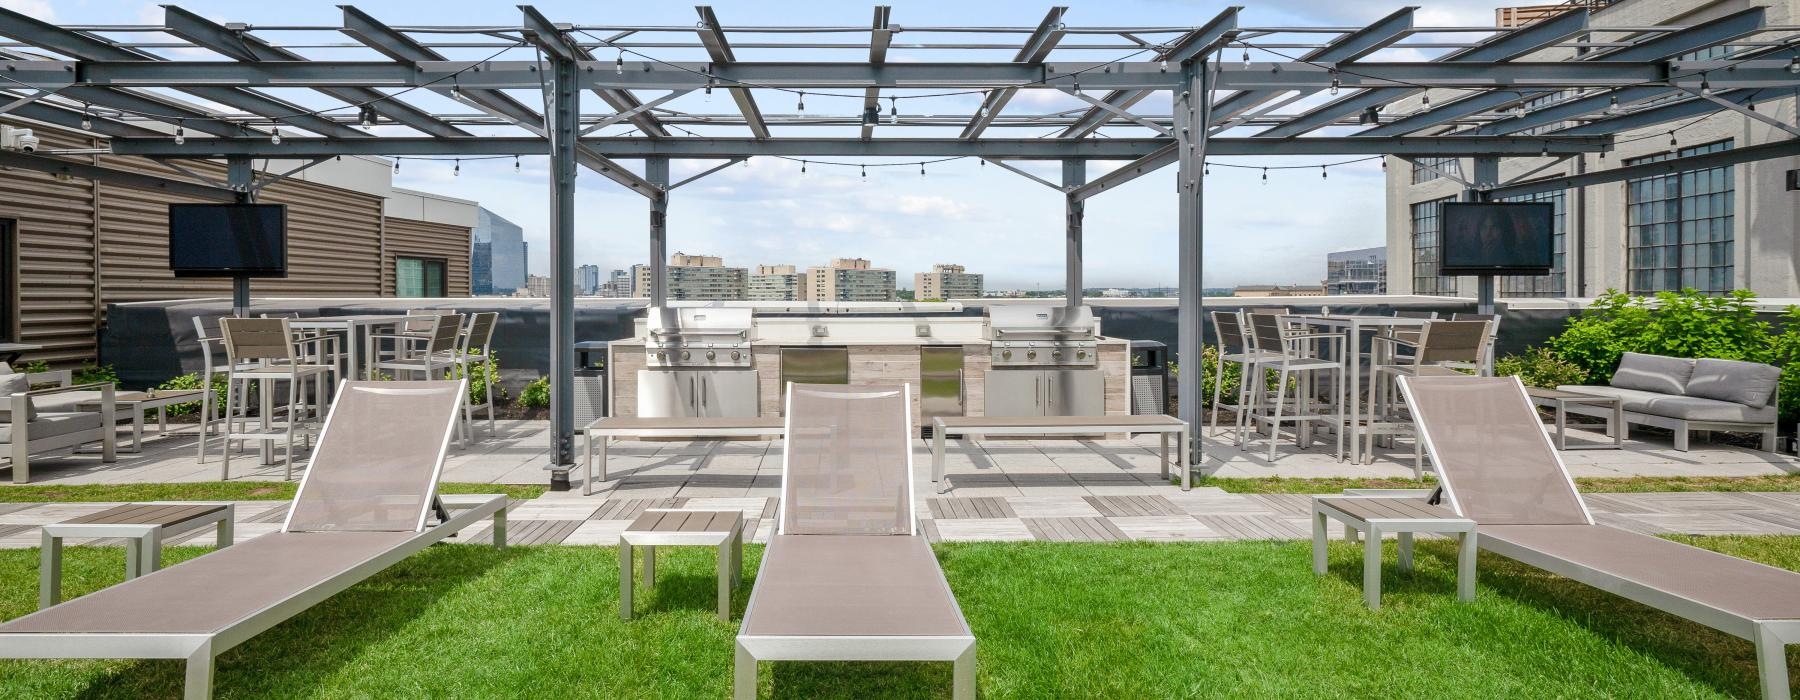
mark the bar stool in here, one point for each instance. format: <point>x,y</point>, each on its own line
<point>1295,356</point>
<point>328,352</point>
<point>1233,346</point>
<point>1486,367</point>
<point>265,351</point>
<point>476,349</point>
<point>1440,347</point>
<point>209,337</point>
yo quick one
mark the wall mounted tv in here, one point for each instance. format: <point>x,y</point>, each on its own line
<point>1493,238</point>
<point>228,240</point>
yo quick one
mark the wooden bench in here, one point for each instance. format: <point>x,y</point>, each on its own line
<point>607,429</point>
<point>1062,425</point>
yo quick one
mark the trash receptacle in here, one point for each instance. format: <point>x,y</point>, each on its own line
<point>590,382</point>
<point>1149,377</point>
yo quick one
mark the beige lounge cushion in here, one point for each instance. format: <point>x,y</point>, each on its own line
<point>1690,408</point>
<point>15,384</point>
<point>1663,375</point>
<point>49,425</point>
<point>1748,383</point>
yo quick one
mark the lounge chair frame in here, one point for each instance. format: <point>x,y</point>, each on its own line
<point>1771,637</point>
<point>959,649</point>
<point>200,650</point>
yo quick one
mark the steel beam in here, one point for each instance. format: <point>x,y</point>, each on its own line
<point>1191,105</point>
<point>1194,44</point>
<point>1036,48</point>
<point>1344,49</point>
<point>563,121</point>
<point>1746,154</point>
<point>1126,173</point>
<point>1074,174</point>
<point>1673,111</point>
<point>1661,47</point>
<point>712,35</point>
<point>656,170</point>
<point>1503,47</point>
<point>87,171</point>
<point>56,114</point>
<point>1012,149</point>
<point>244,46</point>
<point>550,37</point>
<point>880,37</point>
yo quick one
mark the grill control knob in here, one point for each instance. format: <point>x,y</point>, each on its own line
<point>710,355</point>
<point>735,355</point>
<point>662,357</point>
<point>1057,354</point>
<point>685,355</point>
<point>1006,354</point>
<point>1081,355</point>
<point>1031,355</point>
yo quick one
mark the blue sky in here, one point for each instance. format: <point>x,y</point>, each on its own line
<point>990,220</point>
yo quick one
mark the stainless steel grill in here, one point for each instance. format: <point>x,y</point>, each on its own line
<point>1042,336</point>
<point>708,337</point>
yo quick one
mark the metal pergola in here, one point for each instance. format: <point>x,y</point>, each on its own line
<point>196,89</point>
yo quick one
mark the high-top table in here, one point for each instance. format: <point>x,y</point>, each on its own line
<point>349,325</point>
<point>1350,354</point>
<point>1062,425</point>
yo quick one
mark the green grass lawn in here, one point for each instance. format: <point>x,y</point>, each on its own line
<point>1238,619</point>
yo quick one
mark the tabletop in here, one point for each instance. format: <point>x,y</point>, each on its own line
<point>1542,393</point>
<point>1336,321</point>
<point>340,320</point>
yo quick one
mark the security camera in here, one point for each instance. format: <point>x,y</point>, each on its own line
<point>22,140</point>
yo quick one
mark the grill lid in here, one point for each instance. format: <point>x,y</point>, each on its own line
<point>1040,323</point>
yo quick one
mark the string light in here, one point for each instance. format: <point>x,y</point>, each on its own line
<point>1265,179</point>
<point>1205,168</point>
<point>457,171</point>
<point>396,166</point>
<point>87,122</point>
<point>1322,174</point>
<point>1672,142</point>
<point>1078,87</point>
<point>1705,87</point>
<point>865,172</point>
<point>1425,100</point>
<point>455,89</point>
<point>803,167</point>
<point>1333,90</point>
<point>801,105</point>
<point>515,164</point>
<point>893,110</point>
<point>367,116</point>
<point>275,135</point>
<point>921,170</point>
<point>1794,65</point>
<point>180,134</point>
<point>1612,105</point>
<point>619,63</point>
<point>1246,57</point>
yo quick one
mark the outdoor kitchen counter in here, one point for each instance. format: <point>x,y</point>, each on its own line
<point>873,361</point>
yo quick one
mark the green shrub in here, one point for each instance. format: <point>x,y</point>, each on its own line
<point>191,380</point>
<point>1540,367</point>
<point>96,374</point>
<point>1677,324</point>
<point>477,373</point>
<point>35,366</point>
<point>536,394</point>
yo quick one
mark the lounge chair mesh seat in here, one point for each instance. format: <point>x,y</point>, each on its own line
<point>1498,468</point>
<point>847,575</point>
<point>361,507</point>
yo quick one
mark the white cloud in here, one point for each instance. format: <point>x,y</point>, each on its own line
<point>35,9</point>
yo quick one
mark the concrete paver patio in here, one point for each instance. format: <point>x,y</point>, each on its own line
<point>1043,489</point>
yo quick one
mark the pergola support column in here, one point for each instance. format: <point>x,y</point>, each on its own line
<point>562,127</point>
<point>656,170</point>
<point>240,175</point>
<point>1074,174</point>
<point>1486,176</point>
<point>1190,110</point>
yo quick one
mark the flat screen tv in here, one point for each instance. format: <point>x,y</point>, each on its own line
<point>228,240</point>
<point>1493,238</point>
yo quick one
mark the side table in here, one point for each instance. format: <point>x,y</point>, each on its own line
<point>147,524</point>
<point>1373,516</point>
<point>658,527</point>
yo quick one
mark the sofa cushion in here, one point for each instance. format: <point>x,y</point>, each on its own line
<point>48,425</point>
<point>1663,375</point>
<point>15,384</point>
<point>1689,408</point>
<point>1748,383</point>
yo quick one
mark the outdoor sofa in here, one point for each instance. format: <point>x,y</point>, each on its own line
<point>847,576</point>
<point>1684,395</point>
<point>46,419</point>
<point>1497,466</point>
<point>362,507</point>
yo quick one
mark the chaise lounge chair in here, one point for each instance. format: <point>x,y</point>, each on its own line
<point>1498,468</point>
<point>361,508</point>
<point>847,576</point>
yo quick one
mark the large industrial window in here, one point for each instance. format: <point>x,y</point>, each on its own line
<point>1428,169</point>
<point>1554,284</point>
<point>1425,248</point>
<point>419,277</point>
<point>1678,228</point>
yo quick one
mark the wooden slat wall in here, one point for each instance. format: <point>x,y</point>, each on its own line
<point>56,257</point>
<point>333,245</point>
<point>424,239</point>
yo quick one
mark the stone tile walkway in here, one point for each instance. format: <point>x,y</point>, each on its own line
<point>1199,515</point>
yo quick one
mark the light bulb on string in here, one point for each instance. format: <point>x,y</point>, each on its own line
<point>1612,105</point>
<point>396,166</point>
<point>1333,90</point>
<point>801,105</point>
<point>1672,142</point>
<point>921,170</point>
<point>865,172</point>
<point>457,171</point>
<point>1705,87</point>
<point>1794,65</point>
<point>619,63</point>
<point>803,167</point>
<point>515,164</point>
<point>893,110</point>
<point>1265,179</point>
<point>1246,57</point>
<point>455,89</point>
<point>1205,168</point>
<point>275,135</point>
<point>180,134</point>
<point>1425,100</point>
<point>87,122</point>
<point>1322,174</point>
